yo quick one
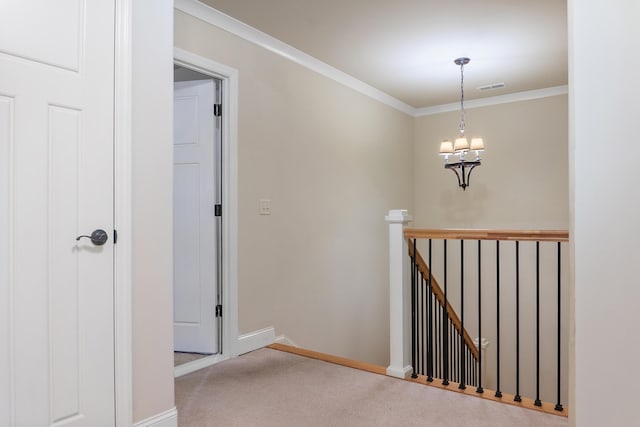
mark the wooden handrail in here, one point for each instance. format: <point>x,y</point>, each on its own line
<point>437,292</point>
<point>461,234</point>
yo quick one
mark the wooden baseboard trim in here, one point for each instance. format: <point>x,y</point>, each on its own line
<point>506,398</point>
<point>363,366</point>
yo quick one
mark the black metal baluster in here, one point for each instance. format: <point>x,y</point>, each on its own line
<point>422,329</point>
<point>457,352</point>
<point>455,356</point>
<point>474,375</point>
<point>479,389</point>
<point>438,341</point>
<point>459,359</point>
<point>498,392</point>
<point>454,351</point>
<point>430,327</point>
<point>470,378</point>
<point>414,274</point>
<point>465,360</point>
<point>449,353</point>
<point>445,344</point>
<point>467,369</point>
<point>472,367</point>
<point>452,354</point>
<point>517,397</point>
<point>558,406</point>
<point>419,326</point>
<point>462,384</point>
<point>537,402</point>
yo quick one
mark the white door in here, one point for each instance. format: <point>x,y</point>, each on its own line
<point>56,183</point>
<point>194,229</point>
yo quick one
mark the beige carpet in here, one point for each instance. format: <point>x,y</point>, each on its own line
<point>273,388</point>
<point>180,358</point>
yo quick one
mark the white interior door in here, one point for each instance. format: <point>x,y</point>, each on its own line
<point>195,327</point>
<point>56,183</point>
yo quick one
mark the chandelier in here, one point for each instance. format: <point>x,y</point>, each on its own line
<point>455,153</point>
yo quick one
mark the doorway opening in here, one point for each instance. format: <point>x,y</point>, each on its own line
<point>225,308</point>
<point>197,215</point>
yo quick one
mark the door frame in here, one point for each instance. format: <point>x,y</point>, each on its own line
<point>123,219</point>
<point>229,79</point>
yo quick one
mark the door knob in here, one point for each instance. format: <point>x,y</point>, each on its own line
<point>98,237</point>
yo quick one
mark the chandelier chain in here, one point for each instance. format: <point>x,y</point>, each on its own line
<point>462,99</point>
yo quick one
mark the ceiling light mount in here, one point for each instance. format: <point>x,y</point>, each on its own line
<point>462,61</point>
<point>459,148</point>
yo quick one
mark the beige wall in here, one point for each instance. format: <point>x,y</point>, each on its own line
<point>273,114</point>
<point>333,162</point>
<point>604,46</point>
<point>152,164</point>
<point>523,180</point>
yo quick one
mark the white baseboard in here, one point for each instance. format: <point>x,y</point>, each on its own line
<point>245,343</point>
<point>164,419</point>
<point>283,339</point>
<point>255,340</point>
<point>399,372</point>
<point>194,365</point>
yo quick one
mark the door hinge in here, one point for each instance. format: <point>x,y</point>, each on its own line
<point>217,110</point>
<point>217,210</point>
<point>115,236</point>
<point>218,310</point>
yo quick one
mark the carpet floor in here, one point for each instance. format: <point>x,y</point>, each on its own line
<point>272,388</point>
<point>180,358</point>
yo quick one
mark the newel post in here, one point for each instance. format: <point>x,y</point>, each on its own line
<point>399,304</point>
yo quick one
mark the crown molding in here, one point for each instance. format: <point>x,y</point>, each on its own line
<point>494,100</point>
<point>253,35</point>
<point>240,29</point>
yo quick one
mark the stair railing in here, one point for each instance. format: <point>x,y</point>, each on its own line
<point>441,346</point>
<point>433,342</point>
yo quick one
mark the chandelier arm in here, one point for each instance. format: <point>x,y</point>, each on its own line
<point>469,174</point>
<point>465,176</point>
<point>454,168</point>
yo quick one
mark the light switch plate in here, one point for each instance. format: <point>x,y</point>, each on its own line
<point>265,207</point>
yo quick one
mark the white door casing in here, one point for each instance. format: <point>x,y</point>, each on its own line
<point>56,182</point>
<point>195,271</point>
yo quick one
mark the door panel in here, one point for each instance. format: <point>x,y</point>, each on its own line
<point>64,285</point>
<point>56,140</point>
<point>62,26</point>
<point>195,327</point>
<point>186,243</point>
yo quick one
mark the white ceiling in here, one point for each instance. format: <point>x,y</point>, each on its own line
<point>406,48</point>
